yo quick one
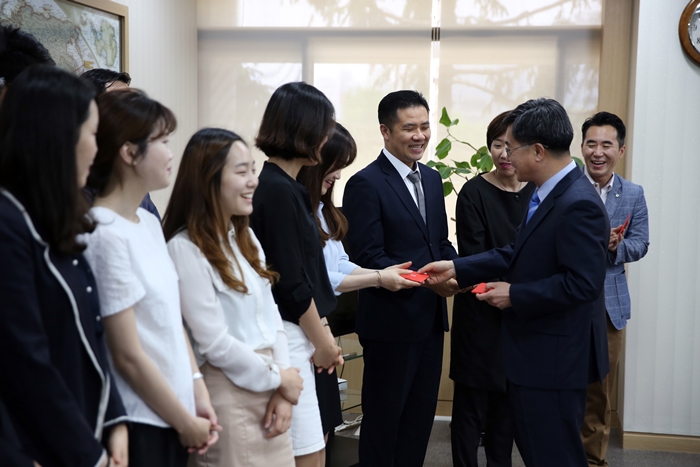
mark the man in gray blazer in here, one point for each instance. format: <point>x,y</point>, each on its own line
<point>603,145</point>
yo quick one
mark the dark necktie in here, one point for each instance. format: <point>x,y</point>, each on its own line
<point>415,179</point>
<point>534,202</point>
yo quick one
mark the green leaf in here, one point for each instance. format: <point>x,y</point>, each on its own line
<point>578,161</point>
<point>462,164</point>
<point>445,172</point>
<point>475,159</point>
<point>455,121</point>
<point>484,151</point>
<point>445,119</point>
<point>439,165</point>
<point>443,148</point>
<point>447,188</point>
<point>463,171</point>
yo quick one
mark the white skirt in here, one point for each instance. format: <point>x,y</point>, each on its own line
<point>306,429</point>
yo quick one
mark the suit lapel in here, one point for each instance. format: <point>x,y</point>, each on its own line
<point>612,202</point>
<point>399,186</point>
<point>543,210</point>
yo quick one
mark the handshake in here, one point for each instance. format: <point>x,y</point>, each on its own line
<point>442,279</point>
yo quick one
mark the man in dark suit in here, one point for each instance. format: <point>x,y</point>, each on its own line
<point>553,335</point>
<point>396,213</point>
<point>602,147</point>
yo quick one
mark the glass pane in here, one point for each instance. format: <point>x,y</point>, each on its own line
<point>355,74</point>
<point>521,13</point>
<point>314,13</point>
<point>236,80</point>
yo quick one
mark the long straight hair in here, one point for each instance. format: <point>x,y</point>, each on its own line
<point>195,205</point>
<point>40,122</point>
<point>339,152</point>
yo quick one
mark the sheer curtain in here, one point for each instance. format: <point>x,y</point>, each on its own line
<point>491,56</point>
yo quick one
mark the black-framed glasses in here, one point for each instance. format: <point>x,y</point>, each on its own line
<point>509,151</point>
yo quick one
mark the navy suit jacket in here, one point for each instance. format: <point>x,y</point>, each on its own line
<point>56,382</point>
<point>386,228</point>
<point>554,335</point>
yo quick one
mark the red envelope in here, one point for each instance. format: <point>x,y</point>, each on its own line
<point>416,277</point>
<point>624,226</point>
<point>481,288</point>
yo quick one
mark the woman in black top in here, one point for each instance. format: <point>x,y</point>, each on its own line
<point>56,383</point>
<point>297,123</point>
<point>489,209</point>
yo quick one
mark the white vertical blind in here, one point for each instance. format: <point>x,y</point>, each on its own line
<point>163,62</point>
<point>662,371</point>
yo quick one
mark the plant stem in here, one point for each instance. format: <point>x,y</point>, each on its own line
<point>460,141</point>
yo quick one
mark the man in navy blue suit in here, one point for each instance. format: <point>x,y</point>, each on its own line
<point>553,336</point>
<point>396,213</point>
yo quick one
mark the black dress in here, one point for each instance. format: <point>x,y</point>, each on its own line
<point>284,222</point>
<point>487,217</point>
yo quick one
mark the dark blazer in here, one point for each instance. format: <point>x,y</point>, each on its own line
<point>386,228</point>
<point>554,335</point>
<point>56,383</point>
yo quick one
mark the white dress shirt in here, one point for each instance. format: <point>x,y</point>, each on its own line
<point>338,263</point>
<point>404,171</point>
<point>228,326</point>
<point>602,190</point>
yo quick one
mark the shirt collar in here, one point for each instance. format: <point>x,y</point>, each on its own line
<point>400,167</point>
<point>549,185</point>
<point>607,187</point>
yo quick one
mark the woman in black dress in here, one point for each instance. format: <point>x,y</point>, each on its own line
<point>489,209</point>
<point>297,123</point>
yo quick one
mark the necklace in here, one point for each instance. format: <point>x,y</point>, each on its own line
<point>495,175</point>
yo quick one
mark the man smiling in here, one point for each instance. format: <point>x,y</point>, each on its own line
<point>396,213</point>
<point>602,148</point>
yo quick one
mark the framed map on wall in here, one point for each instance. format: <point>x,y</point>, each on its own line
<point>79,34</point>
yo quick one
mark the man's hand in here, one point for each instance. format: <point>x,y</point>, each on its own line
<point>444,289</point>
<point>439,271</point>
<point>615,239</point>
<point>498,295</point>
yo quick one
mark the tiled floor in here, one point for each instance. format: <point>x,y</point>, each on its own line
<point>440,453</point>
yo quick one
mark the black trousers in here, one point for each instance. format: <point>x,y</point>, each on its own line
<point>153,446</point>
<point>548,425</point>
<point>476,410</point>
<point>399,397</point>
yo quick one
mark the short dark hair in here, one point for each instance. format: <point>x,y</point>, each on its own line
<point>21,50</point>
<point>40,124</point>
<point>297,119</point>
<point>127,116</point>
<point>542,121</point>
<point>397,100</point>
<point>496,128</point>
<point>606,118</point>
<point>103,78</point>
<point>339,152</point>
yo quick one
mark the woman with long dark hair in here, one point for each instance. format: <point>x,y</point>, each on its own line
<point>296,124</point>
<point>56,381</point>
<point>165,397</point>
<point>227,302</point>
<point>345,276</point>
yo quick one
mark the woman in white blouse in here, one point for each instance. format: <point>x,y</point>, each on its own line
<point>227,302</point>
<point>156,374</point>
<point>345,276</point>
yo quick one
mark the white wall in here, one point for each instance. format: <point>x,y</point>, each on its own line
<point>163,62</point>
<point>662,380</point>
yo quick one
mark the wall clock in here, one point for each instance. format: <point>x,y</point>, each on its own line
<point>689,30</point>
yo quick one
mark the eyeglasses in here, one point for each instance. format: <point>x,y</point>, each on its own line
<point>510,151</point>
